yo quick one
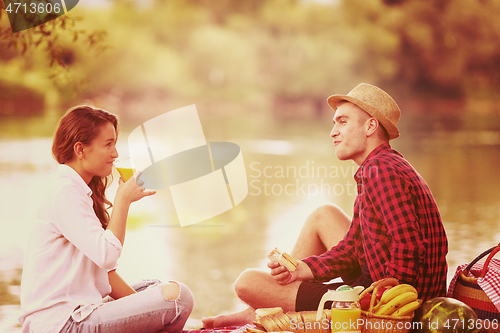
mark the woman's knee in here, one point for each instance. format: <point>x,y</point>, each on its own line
<point>178,291</point>
<point>186,297</point>
<point>170,290</point>
<point>184,303</point>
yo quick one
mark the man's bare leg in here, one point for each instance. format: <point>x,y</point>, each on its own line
<point>323,229</point>
<point>271,294</point>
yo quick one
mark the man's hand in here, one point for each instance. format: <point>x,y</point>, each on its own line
<point>284,276</point>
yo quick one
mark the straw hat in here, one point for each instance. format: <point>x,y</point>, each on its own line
<point>374,101</point>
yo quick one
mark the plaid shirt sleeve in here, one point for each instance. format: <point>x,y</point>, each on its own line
<point>388,209</point>
<point>341,259</point>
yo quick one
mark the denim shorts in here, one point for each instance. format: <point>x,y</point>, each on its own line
<point>145,311</point>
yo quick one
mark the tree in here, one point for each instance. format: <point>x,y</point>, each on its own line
<point>19,55</point>
<point>46,37</point>
<point>445,46</point>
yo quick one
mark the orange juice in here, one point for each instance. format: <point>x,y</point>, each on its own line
<point>346,320</point>
<point>126,173</point>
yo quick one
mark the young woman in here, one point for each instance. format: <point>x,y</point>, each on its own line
<point>70,264</point>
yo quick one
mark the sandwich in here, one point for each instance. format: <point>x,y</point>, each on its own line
<point>284,259</point>
<point>272,320</point>
<point>261,317</point>
<point>267,312</point>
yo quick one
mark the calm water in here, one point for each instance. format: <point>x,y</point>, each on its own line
<point>288,178</point>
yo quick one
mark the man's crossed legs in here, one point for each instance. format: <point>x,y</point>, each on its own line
<point>323,229</point>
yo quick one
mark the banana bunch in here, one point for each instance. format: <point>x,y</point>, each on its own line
<point>400,300</point>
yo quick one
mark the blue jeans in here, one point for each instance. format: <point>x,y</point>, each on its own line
<point>146,311</point>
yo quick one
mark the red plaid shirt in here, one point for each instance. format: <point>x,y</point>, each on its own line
<point>396,229</point>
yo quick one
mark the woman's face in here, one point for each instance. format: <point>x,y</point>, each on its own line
<point>98,156</point>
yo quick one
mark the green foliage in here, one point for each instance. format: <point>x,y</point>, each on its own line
<point>446,45</point>
<point>220,11</point>
<point>49,38</point>
<point>258,53</point>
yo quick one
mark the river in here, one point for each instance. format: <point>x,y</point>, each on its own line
<point>288,178</point>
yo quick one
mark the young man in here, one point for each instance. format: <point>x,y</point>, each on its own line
<point>396,230</point>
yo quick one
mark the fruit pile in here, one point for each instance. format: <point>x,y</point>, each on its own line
<point>391,299</point>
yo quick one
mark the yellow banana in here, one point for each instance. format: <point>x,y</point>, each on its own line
<point>395,291</point>
<point>396,303</point>
<point>407,309</point>
<point>378,306</point>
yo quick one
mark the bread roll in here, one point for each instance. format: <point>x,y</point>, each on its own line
<point>284,259</point>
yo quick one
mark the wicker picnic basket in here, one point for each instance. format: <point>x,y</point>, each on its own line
<point>468,290</point>
<point>383,324</point>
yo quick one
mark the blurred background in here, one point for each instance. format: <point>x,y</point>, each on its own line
<point>259,72</point>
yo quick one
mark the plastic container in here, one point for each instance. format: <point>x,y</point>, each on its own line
<point>345,311</point>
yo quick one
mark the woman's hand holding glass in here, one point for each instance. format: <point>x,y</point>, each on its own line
<point>131,190</point>
<point>127,193</point>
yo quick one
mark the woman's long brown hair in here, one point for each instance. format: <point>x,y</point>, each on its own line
<point>82,124</point>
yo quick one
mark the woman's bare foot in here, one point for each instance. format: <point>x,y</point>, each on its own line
<point>244,317</point>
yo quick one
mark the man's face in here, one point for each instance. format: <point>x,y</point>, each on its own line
<point>349,134</point>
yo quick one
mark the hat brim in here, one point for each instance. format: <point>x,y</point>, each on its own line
<point>391,129</point>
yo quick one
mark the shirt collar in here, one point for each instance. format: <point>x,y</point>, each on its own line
<point>69,172</point>
<point>383,147</point>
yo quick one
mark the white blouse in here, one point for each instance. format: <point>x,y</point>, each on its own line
<point>68,258</point>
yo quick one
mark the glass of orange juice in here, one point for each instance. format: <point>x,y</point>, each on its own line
<point>125,167</point>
